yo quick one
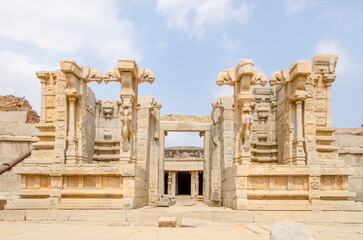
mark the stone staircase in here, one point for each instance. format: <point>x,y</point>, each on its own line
<point>187,201</point>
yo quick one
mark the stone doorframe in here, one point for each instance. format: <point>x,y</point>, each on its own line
<point>175,126</point>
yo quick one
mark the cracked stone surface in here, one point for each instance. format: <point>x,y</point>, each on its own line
<point>89,231</point>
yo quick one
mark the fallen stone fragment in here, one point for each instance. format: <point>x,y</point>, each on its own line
<point>167,222</point>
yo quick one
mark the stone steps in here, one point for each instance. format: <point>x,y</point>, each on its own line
<point>151,215</point>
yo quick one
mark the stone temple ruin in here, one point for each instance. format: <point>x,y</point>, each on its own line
<point>267,147</point>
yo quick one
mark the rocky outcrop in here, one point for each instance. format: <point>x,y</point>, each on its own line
<point>10,103</point>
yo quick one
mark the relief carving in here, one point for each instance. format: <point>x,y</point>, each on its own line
<point>315,183</point>
<point>258,183</point>
<point>126,120</point>
<point>242,182</point>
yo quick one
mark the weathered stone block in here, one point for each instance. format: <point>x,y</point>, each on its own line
<point>167,222</point>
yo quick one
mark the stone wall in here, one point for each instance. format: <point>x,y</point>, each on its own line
<point>350,143</point>
<point>222,152</point>
<point>147,150</point>
<point>16,136</point>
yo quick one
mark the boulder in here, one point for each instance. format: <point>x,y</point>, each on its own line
<point>289,230</point>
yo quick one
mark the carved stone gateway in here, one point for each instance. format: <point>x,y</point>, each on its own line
<point>267,147</point>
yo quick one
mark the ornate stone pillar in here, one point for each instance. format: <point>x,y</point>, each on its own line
<point>241,78</point>
<point>43,82</point>
<point>71,153</point>
<point>244,132</point>
<point>127,117</point>
<point>130,75</point>
<point>299,152</point>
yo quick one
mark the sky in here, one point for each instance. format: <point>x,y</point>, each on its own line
<point>186,43</point>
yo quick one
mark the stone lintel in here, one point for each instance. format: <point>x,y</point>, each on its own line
<point>244,67</point>
<point>128,65</point>
<point>184,126</point>
<point>325,63</point>
<point>43,75</point>
<point>300,68</point>
<point>70,66</point>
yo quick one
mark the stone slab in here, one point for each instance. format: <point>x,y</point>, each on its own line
<point>152,215</point>
<point>167,222</point>
<point>98,215</point>
<point>47,215</point>
<point>107,231</point>
<point>309,216</point>
<point>12,215</point>
<point>13,116</point>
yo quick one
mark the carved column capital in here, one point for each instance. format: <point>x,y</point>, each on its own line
<point>72,94</point>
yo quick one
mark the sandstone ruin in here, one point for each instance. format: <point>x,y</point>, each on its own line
<point>267,147</point>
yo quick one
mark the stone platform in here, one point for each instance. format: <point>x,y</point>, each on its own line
<point>105,231</point>
<point>149,216</point>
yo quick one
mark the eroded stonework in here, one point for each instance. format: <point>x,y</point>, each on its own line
<point>267,147</point>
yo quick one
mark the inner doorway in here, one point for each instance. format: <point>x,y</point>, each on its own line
<point>183,183</point>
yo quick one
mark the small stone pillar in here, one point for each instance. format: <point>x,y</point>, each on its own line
<point>197,193</point>
<point>43,76</point>
<point>192,184</point>
<point>170,183</point>
<point>173,183</point>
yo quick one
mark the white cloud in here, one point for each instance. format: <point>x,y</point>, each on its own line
<point>229,44</point>
<point>345,62</point>
<point>65,26</point>
<point>293,6</point>
<point>184,139</point>
<point>18,77</point>
<point>192,16</point>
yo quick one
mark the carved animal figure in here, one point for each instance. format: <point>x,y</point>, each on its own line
<point>126,118</point>
<point>245,131</point>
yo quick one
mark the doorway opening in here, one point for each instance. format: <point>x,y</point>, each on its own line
<point>166,176</point>
<point>184,159</point>
<point>183,183</point>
